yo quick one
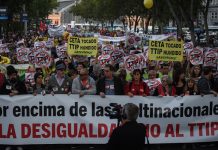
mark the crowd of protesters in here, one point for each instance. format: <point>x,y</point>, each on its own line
<point>83,81</point>
<point>70,76</point>
<point>82,77</point>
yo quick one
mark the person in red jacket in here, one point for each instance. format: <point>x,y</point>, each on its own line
<point>137,86</point>
<point>168,88</point>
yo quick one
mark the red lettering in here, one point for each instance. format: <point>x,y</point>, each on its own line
<point>61,132</point>
<point>46,133</point>
<point>156,128</point>
<point>191,126</point>
<point>25,130</point>
<point>11,131</point>
<point>35,130</point>
<point>169,131</point>
<point>207,129</point>
<point>147,130</point>
<point>113,126</point>
<point>53,130</point>
<point>200,128</point>
<point>74,134</point>
<point>83,131</point>
<point>1,132</point>
<point>102,130</point>
<point>91,134</point>
<point>178,134</point>
<point>214,127</point>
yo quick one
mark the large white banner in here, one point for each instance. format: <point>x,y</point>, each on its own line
<point>63,119</point>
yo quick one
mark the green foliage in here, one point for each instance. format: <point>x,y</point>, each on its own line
<point>34,8</point>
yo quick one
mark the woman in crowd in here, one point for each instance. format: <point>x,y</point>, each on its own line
<point>196,73</point>
<point>168,88</point>
<point>191,87</point>
<point>39,87</point>
<point>155,87</point>
<point>179,82</point>
<point>137,86</point>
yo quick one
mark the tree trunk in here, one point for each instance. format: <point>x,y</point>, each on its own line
<point>136,23</point>
<point>147,23</point>
<point>205,13</point>
<point>130,23</point>
<point>143,24</point>
<point>153,25</point>
<point>189,21</point>
<point>179,26</point>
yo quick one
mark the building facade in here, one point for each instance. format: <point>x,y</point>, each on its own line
<point>212,18</point>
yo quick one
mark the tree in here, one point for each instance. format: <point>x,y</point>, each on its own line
<point>204,9</point>
<point>34,8</point>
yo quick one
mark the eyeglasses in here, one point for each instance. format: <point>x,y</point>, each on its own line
<point>83,74</point>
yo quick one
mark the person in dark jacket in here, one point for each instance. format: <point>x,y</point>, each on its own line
<point>109,84</point>
<point>59,83</point>
<point>39,87</point>
<point>204,83</point>
<point>13,86</point>
<point>130,135</point>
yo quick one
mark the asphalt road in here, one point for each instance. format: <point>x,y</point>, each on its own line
<point>201,146</point>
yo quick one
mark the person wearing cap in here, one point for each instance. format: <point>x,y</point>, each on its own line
<point>84,84</point>
<point>165,70</point>
<point>13,86</point>
<point>59,83</point>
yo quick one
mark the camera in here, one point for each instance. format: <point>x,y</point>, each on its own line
<point>116,112</point>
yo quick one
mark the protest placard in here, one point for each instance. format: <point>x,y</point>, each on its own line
<point>4,48</point>
<point>196,56</point>
<point>165,50</point>
<point>82,46</point>
<point>210,58</point>
<point>42,59</point>
<point>61,51</point>
<point>135,61</point>
<point>107,49</point>
<point>29,77</point>
<point>22,54</point>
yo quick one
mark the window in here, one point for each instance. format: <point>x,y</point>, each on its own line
<point>214,15</point>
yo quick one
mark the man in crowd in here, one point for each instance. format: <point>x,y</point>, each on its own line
<point>130,135</point>
<point>204,83</point>
<point>13,86</point>
<point>80,66</point>
<point>84,84</point>
<point>59,83</point>
<point>165,70</point>
<point>109,84</point>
